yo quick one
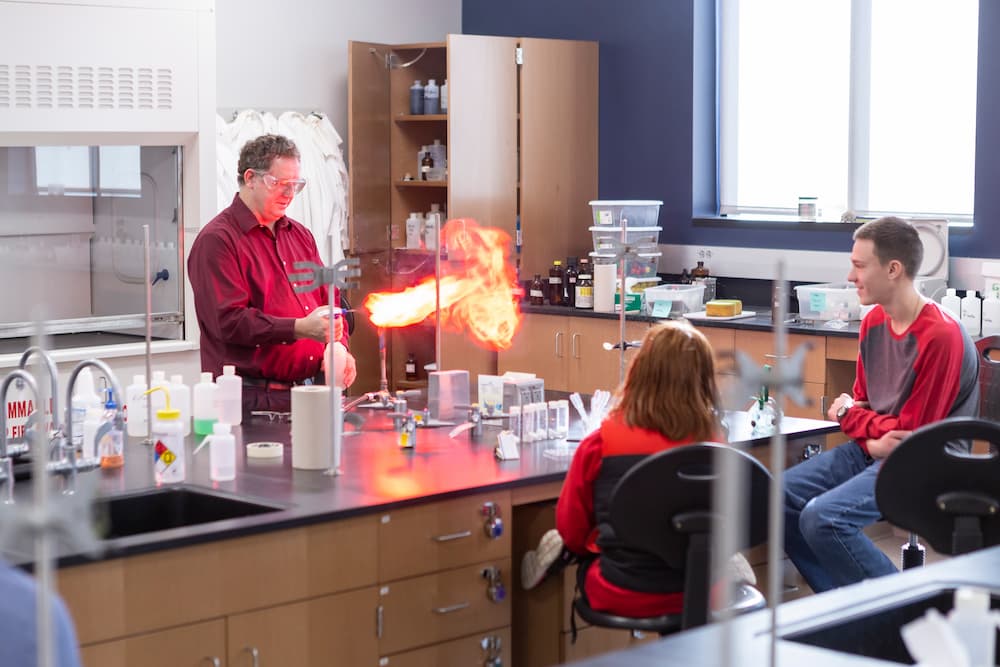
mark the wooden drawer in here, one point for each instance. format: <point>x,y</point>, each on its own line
<point>759,346</point>
<point>471,650</point>
<point>722,341</point>
<point>814,391</point>
<point>843,349</point>
<point>438,536</point>
<point>185,646</point>
<point>437,607</point>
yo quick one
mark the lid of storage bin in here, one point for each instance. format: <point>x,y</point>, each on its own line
<point>606,228</point>
<point>640,255</point>
<point>626,202</point>
<point>934,236</point>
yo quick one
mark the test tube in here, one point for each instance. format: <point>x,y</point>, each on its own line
<point>515,420</point>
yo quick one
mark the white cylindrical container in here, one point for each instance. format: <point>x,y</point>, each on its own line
<point>180,394</point>
<point>229,396</point>
<point>222,453</point>
<point>135,407</point>
<point>952,303</point>
<point>84,398</point>
<point>972,313</point>
<point>562,419</point>
<point>168,443</point>
<point>991,315</point>
<point>605,277</point>
<point>203,405</point>
<point>514,424</point>
<point>528,415</point>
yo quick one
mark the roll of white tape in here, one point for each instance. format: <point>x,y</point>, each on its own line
<point>265,450</point>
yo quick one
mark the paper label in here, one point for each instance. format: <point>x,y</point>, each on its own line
<point>662,308</point>
<point>604,218</point>
<point>817,302</point>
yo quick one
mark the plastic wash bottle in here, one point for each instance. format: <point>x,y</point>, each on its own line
<point>168,443</point>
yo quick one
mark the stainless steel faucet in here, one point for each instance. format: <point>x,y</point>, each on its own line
<point>50,365</point>
<point>8,451</point>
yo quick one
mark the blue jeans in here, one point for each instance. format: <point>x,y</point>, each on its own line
<point>829,499</point>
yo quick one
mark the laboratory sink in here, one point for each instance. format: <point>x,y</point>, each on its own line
<point>170,507</point>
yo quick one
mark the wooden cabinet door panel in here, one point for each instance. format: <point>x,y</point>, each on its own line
<point>471,650</point>
<point>185,646</point>
<point>814,391</point>
<point>540,347</point>
<point>721,341</point>
<point>445,605</point>
<point>759,346</point>
<point>591,367</point>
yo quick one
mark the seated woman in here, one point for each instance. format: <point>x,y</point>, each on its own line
<point>668,399</point>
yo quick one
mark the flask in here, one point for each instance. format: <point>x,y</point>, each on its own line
<point>991,315</point>
<point>135,407</point>
<point>536,293</point>
<point>416,98</point>
<point>584,286</point>
<point>972,313</point>
<point>84,398</point>
<point>432,98</point>
<point>221,453</point>
<point>952,303</point>
<point>109,436</point>
<point>182,400</point>
<point>444,96</point>
<point>203,405</point>
<point>426,164</point>
<point>569,284</point>
<point>556,284</point>
<point>411,367</point>
<point>168,442</point>
<point>700,271</point>
<point>229,396</point>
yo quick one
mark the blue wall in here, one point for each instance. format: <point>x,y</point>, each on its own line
<point>657,123</point>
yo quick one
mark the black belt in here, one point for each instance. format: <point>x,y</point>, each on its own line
<point>275,385</point>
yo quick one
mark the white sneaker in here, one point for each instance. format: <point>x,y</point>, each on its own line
<point>535,564</point>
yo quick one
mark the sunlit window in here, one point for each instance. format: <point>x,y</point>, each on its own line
<point>88,171</point>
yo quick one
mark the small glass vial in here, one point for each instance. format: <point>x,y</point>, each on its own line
<point>426,164</point>
<point>411,367</point>
<point>536,293</point>
<point>514,423</point>
<point>556,276</point>
<point>562,418</point>
<point>569,285</point>
<point>553,420</point>
<point>541,421</point>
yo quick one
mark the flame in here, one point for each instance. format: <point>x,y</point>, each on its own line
<point>477,289</point>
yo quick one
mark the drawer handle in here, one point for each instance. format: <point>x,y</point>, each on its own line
<point>452,536</point>
<point>254,655</point>
<point>453,608</point>
<point>212,660</point>
<point>776,356</point>
<point>575,348</point>
<point>559,336</point>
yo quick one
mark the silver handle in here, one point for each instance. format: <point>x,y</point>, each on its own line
<point>379,621</point>
<point>822,406</point>
<point>559,335</point>
<point>254,655</point>
<point>576,348</point>
<point>776,356</point>
<point>453,608</point>
<point>215,662</point>
<point>452,536</point>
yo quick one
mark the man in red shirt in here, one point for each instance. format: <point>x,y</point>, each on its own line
<point>246,305</point>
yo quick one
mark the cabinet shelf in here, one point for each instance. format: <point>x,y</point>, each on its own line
<point>422,118</point>
<point>421,184</point>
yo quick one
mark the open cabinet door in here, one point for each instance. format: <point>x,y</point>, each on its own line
<point>559,113</point>
<point>368,168</point>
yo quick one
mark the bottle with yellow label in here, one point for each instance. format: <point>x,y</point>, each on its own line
<point>168,443</point>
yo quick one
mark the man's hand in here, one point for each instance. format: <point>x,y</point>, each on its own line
<point>347,367</point>
<point>838,403</point>
<point>879,448</point>
<point>316,326</point>
<point>350,370</point>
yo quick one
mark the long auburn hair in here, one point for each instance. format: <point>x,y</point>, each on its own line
<point>670,385</point>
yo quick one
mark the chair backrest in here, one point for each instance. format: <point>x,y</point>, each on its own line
<point>989,378</point>
<point>949,498</point>
<point>663,506</point>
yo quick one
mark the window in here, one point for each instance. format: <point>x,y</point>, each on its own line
<point>71,171</point>
<point>869,105</point>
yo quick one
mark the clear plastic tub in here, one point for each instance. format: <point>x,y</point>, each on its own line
<point>626,212</point>
<point>682,298</point>
<point>609,238</point>
<point>637,266</point>
<point>828,301</point>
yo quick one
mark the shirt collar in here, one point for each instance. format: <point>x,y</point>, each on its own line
<point>247,220</point>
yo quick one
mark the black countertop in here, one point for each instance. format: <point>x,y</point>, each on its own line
<point>377,476</point>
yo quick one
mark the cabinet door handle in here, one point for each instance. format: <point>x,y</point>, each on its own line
<point>212,660</point>
<point>776,356</point>
<point>822,406</point>
<point>575,347</point>
<point>452,608</point>
<point>254,655</point>
<point>452,536</point>
<point>379,621</point>
<point>559,335</point>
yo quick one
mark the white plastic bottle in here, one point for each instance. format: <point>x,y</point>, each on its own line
<point>168,442</point>
<point>975,625</point>
<point>203,405</point>
<point>991,315</point>
<point>444,96</point>
<point>109,436</point>
<point>414,223</point>
<point>84,398</point>
<point>135,407</point>
<point>432,98</point>
<point>431,229</point>
<point>972,313</point>
<point>181,395</point>
<point>952,303</point>
<point>229,396</point>
<point>158,399</point>
<point>222,453</point>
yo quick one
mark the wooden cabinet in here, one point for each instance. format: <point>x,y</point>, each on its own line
<point>477,649</point>
<point>521,137</point>
<point>196,645</point>
<point>568,353</point>
<point>759,346</point>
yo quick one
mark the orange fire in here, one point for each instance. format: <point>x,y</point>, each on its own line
<point>477,289</point>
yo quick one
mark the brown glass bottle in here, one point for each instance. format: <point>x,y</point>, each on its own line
<point>536,292</point>
<point>426,165</point>
<point>700,271</point>
<point>569,285</point>
<point>585,286</point>
<point>411,367</point>
<point>556,277</point>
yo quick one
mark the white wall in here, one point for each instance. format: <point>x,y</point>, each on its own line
<point>276,56</point>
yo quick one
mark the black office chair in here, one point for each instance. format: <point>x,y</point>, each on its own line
<point>949,498</point>
<point>662,506</point>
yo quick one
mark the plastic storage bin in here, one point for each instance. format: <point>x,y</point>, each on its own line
<point>682,298</point>
<point>609,238</point>
<point>626,212</point>
<point>640,265</point>
<point>828,301</point>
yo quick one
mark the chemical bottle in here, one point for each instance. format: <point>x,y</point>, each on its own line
<point>432,98</point>
<point>411,367</point>
<point>84,398</point>
<point>685,278</point>
<point>135,407</point>
<point>221,453</point>
<point>444,96</point>
<point>181,394</point>
<point>229,396</point>
<point>168,442</point>
<point>952,303</point>
<point>203,405</point>
<point>158,399</point>
<point>109,436</point>
<point>700,271</point>
<point>585,286</point>
<point>536,292</point>
<point>416,98</point>
<point>426,164</point>
<point>974,624</point>
<point>991,315</point>
<point>414,231</point>
<point>972,313</point>
<point>431,229</point>
<point>556,276</point>
<point>569,284</point>
<point>439,153</point>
